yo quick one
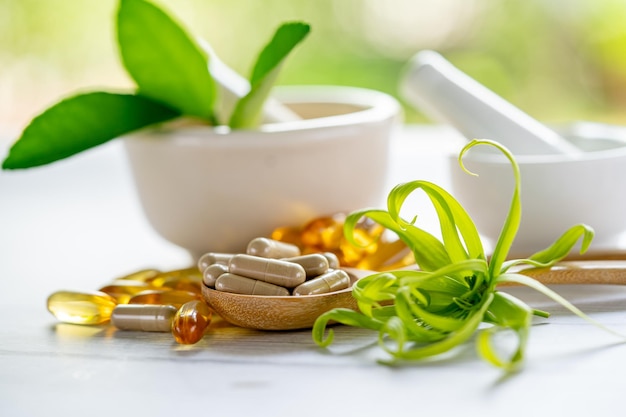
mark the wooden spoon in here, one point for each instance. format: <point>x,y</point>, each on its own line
<point>280,312</point>
<point>291,312</point>
<point>580,272</point>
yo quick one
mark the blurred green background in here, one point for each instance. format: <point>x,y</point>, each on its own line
<point>559,60</point>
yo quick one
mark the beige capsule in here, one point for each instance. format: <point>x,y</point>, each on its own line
<point>241,285</point>
<point>213,258</point>
<point>314,264</point>
<point>143,317</point>
<point>274,271</point>
<point>333,261</point>
<point>212,273</point>
<point>329,282</point>
<point>269,248</point>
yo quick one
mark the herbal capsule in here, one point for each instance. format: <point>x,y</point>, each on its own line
<point>144,317</point>
<point>212,273</point>
<point>274,271</point>
<point>190,322</point>
<point>241,285</point>
<point>314,264</point>
<point>174,298</point>
<point>333,261</point>
<point>329,282</point>
<point>269,248</point>
<point>92,307</point>
<point>213,258</point>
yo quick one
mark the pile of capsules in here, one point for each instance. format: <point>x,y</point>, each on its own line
<point>270,267</point>
<point>376,250</point>
<point>171,301</point>
<point>147,300</point>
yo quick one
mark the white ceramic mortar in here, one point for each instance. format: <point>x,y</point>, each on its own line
<point>557,192</point>
<point>212,189</point>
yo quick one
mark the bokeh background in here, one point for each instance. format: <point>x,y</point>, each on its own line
<point>559,60</point>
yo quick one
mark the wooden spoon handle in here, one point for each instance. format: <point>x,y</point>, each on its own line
<point>581,272</point>
<point>605,272</point>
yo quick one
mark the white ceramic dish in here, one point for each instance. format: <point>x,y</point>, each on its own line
<point>212,189</point>
<point>557,191</point>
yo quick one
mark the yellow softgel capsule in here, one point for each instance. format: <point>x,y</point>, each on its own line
<point>89,307</point>
<point>324,233</point>
<point>185,283</point>
<point>143,317</point>
<point>174,298</point>
<point>190,322</point>
<point>141,275</point>
<point>351,254</point>
<point>287,234</point>
<point>122,290</point>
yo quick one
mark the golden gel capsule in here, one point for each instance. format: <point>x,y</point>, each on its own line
<point>123,289</point>
<point>314,264</point>
<point>269,248</point>
<point>91,307</point>
<point>333,261</point>
<point>190,322</point>
<point>324,233</point>
<point>241,285</point>
<point>329,282</point>
<point>174,298</point>
<point>144,317</point>
<point>143,275</point>
<point>186,283</point>
<point>213,258</point>
<point>274,271</point>
<point>288,234</point>
<point>212,273</point>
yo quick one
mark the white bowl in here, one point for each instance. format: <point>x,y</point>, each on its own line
<point>557,191</point>
<point>213,189</point>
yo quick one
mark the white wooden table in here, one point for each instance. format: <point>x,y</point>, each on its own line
<point>77,225</point>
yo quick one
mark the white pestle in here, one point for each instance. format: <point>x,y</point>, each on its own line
<point>448,95</point>
<point>233,86</point>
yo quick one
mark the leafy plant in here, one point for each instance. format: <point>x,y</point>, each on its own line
<point>426,312</point>
<point>173,80</point>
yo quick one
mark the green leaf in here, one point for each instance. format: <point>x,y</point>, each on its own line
<point>344,316</point>
<point>514,216</point>
<point>453,219</point>
<point>558,250</point>
<point>167,65</point>
<point>429,252</point>
<point>434,309</point>
<point>564,244</point>
<point>82,122</point>
<point>247,113</point>
<point>539,287</point>
<point>452,340</point>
